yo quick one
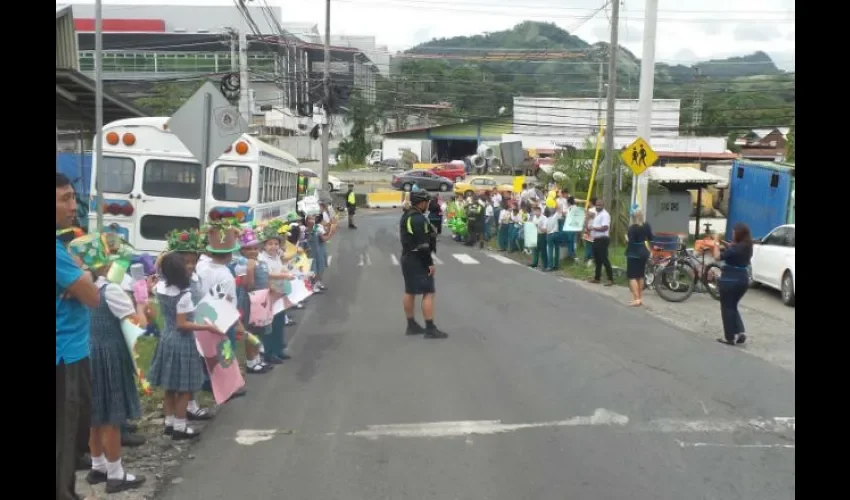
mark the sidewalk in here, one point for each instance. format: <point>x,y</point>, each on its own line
<point>771,325</point>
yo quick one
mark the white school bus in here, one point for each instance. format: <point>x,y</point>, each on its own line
<point>151,182</point>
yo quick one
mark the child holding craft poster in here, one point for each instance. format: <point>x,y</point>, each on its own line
<point>271,255</point>
<point>176,366</point>
<point>252,276</point>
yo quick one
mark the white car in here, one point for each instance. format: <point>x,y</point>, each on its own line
<point>334,184</point>
<point>773,263</point>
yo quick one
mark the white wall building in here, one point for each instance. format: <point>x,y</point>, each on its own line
<point>576,118</point>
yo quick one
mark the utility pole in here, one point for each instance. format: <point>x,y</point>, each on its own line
<point>98,109</point>
<point>599,94</point>
<point>647,84</point>
<point>696,107</point>
<point>234,53</point>
<point>608,170</point>
<point>244,80</point>
<point>326,109</point>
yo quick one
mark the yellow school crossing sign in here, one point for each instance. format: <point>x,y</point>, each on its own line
<point>638,156</point>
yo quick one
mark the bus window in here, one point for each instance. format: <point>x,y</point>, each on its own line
<point>118,175</point>
<point>232,183</point>
<point>172,179</point>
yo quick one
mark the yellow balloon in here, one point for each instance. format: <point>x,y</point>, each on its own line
<point>550,203</point>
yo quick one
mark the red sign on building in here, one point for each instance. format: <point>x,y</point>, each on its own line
<point>123,25</point>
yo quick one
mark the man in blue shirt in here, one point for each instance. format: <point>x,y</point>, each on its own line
<point>75,293</point>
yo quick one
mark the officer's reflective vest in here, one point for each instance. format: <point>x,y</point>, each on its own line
<point>351,198</point>
<point>408,244</point>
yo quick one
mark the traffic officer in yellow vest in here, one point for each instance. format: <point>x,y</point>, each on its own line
<point>418,241</point>
<point>350,204</point>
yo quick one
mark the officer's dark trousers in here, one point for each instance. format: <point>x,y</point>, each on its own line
<point>732,290</point>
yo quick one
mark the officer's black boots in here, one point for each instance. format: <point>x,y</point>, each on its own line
<point>414,328</point>
<point>432,332</point>
<point>435,333</point>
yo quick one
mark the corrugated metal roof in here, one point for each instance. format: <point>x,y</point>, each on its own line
<point>672,175</point>
<point>61,10</point>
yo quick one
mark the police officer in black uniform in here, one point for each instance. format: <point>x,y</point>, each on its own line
<point>418,241</point>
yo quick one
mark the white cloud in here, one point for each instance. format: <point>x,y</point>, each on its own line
<point>695,26</point>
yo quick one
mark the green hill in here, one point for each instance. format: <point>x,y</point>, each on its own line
<point>480,74</point>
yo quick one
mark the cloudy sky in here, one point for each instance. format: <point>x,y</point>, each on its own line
<point>688,30</point>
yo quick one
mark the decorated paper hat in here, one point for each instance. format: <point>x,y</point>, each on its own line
<point>222,236</point>
<point>248,237</point>
<point>96,250</point>
<point>292,217</point>
<point>185,240</point>
<point>277,229</point>
<point>67,235</point>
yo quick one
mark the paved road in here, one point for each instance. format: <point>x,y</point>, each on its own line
<point>543,391</point>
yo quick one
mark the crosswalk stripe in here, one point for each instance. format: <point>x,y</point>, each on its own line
<point>502,258</point>
<point>437,261</point>
<point>464,258</point>
<point>395,259</point>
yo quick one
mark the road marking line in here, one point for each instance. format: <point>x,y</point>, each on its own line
<point>501,258</point>
<point>395,259</point>
<point>482,427</point>
<point>683,444</point>
<point>368,259</point>
<point>464,259</point>
<point>437,261</point>
<point>600,418</point>
<point>330,258</point>
<point>250,437</point>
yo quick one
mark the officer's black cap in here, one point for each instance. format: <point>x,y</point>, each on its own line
<point>418,197</point>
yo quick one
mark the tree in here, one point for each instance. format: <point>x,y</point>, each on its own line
<point>363,117</point>
<point>789,145</point>
<point>164,99</point>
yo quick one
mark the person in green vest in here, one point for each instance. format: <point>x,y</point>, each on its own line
<point>350,204</point>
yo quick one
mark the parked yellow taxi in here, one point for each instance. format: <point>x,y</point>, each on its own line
<point>480,184</point>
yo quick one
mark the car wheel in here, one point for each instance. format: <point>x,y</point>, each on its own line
<point>330,187</point>
<point>444,187</point>
<point>788,296</point>
<point>406,186</point>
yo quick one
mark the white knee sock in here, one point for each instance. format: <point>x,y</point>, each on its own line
<point>114,470</point>
<point>180,424</point>
<point>99,463</point>
<point>193,406</point>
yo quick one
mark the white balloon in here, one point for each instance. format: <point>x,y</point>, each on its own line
<point>559,176</point>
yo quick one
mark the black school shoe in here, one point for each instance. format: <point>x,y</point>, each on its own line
<point>118,485</point>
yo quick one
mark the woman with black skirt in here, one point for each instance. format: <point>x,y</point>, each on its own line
<point>734,282</point>
<point>637,253</point>
<point>435,214</point>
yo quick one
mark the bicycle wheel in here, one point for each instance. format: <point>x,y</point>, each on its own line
<point>649,274</point>
<point>711,280</point>
<point>676,282</point>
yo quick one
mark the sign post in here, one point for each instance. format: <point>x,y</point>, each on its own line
<point>638,156</point>
<point>220,126</point>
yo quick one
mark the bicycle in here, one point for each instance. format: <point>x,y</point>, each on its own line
<point>683,273</point>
